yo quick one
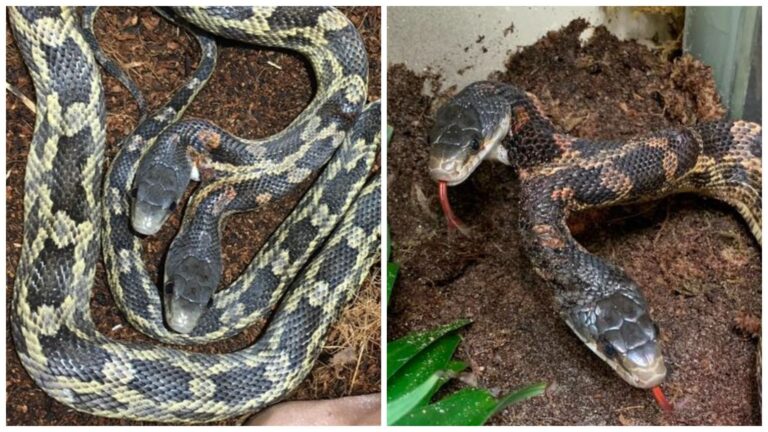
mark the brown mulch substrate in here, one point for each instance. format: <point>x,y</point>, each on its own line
<point>694,258</point>
<point>254,93</point>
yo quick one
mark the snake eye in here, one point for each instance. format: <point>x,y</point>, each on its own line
<point>210,303</point>
<point>608,349</point>
<point>475,144</point>
<point>172,207</point>
<point>169,288</point>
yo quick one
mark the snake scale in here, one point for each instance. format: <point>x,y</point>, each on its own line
<point>315,260</point>
<point>560,174</point>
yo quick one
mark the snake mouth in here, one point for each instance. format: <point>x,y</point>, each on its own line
<point>182,315</point>
<point>643,376</point>
<point>450,166</point>
<point>147,219</point>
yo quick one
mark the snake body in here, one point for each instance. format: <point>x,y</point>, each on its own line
<point>560,174</point>
<point>336,224</point>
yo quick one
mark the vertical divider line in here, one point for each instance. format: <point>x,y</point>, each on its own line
<point>384,222</point>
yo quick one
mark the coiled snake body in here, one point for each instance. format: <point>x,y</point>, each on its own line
<point>560,174</point>
<point>55,337</point>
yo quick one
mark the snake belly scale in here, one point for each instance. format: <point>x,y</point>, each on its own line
<point>55,337</point>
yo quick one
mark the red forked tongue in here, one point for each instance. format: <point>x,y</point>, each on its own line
<point>658,394</point>
<point>453,221</point>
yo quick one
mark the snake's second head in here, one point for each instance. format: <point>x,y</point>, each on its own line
<point>619,330</point>
<point>460,141</point>
<point>191,277</point>
<point>158,185</point>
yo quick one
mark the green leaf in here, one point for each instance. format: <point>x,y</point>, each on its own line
<point>400,351</point>
<point>520,395</point>
<point>452,369</point>
<point>456,366</point>
<point>466,407</point>
<point>421,367</point>
<point>392,270</point>
<point>402,405</point>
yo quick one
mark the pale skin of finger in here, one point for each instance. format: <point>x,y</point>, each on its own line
<point>363,410</point>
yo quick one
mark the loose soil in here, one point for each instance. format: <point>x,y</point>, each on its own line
<point>254,93</point>
<point>694,258</point>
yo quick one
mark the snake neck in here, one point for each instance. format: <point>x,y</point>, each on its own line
<point>532,136</point>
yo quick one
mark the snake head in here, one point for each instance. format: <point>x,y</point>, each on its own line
<point>619,330</point>
<point>159,183</point>
<point>192,273</point>
<point>468,129</point>
<point>455,140</point>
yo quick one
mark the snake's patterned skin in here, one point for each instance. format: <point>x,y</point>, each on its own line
<point>275,166</point>
<point>560,174</point>
<point>55,337</point>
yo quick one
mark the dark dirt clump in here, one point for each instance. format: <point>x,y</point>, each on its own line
<point>694,258</point>
<point>255,92</point>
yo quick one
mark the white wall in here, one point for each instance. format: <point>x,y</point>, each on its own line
<point>436,37</point>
